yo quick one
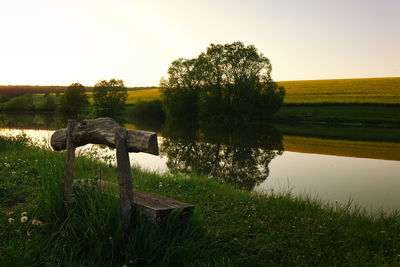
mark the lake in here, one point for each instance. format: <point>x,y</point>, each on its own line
<point>266,158</point>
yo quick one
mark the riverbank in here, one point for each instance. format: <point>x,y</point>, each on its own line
<point>229,226</point>
<point>341,114</point>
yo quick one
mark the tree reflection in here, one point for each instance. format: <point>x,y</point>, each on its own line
<point>238,156</point>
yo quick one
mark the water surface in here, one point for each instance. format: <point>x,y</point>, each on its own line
<point>263,159</point>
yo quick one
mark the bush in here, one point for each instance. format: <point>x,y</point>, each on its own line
<point>149,111</point>
<point>20,103</point>
<point>48,103</point>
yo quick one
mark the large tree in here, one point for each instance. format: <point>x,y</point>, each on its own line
<point>227,82</point>
<point>109,97</point>
<point>74,98</point>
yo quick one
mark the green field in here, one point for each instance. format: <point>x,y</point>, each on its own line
<point>368,90</point>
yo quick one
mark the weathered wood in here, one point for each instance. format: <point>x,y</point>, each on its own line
<point>101,131</point>
<point>154,208</point>
<point>124,177</point>
<point>69,197</point>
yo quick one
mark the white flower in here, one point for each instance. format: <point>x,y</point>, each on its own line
<point>28,233</point>
<point>10,220</point>
<point>11,213</point>
<point>24,219</point>
<point>24,214</point>
<point>34,222</point>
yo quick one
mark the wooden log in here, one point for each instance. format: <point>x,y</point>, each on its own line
<point>101,131</point>
<point>124,177</point>
<point>69,197</point>
<point>154,208</point>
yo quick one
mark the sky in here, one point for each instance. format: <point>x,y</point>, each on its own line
<point>59,42</point>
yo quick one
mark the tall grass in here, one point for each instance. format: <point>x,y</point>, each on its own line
<point>90,234</point>
<point>230,227</point>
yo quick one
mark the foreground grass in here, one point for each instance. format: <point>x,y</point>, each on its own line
<point>229,227</point>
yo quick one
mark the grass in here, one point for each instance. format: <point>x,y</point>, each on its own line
<point>367,90</point>
<point>230,227</point>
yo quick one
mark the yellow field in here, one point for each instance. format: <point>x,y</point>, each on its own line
<point>143,95</point>
<point>347,148</point>
<point>369,90</point>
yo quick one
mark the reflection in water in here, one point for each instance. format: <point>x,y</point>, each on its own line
<point>33,120</point>
<point>244,156</point>
<point>238,156</point>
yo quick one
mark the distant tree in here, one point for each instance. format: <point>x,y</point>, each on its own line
<point>227,82</point>
<point>74,98</point>
<point>109,97</point>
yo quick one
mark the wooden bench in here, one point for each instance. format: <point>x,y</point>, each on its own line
<point>107,132</point>
<point>154,208</point>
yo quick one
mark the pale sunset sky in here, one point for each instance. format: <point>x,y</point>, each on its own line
<point>59,42</point>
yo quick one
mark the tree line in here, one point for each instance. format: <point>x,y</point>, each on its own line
<point>109,98</point>
<point>227,83</point>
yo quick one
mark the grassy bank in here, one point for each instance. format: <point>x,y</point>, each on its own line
<point>384,115</point>
<point>229,226</point>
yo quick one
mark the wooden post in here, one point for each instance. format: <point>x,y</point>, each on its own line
<point>69,197</point>
<point>124,177</point>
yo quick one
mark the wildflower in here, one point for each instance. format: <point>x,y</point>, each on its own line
<point>28,233</point>
<point>160,184</point>
<point>24,219</point>
<point>10,220</point>
<point>24,214</point>
<point>34,222</point>
<point>11,213</point>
